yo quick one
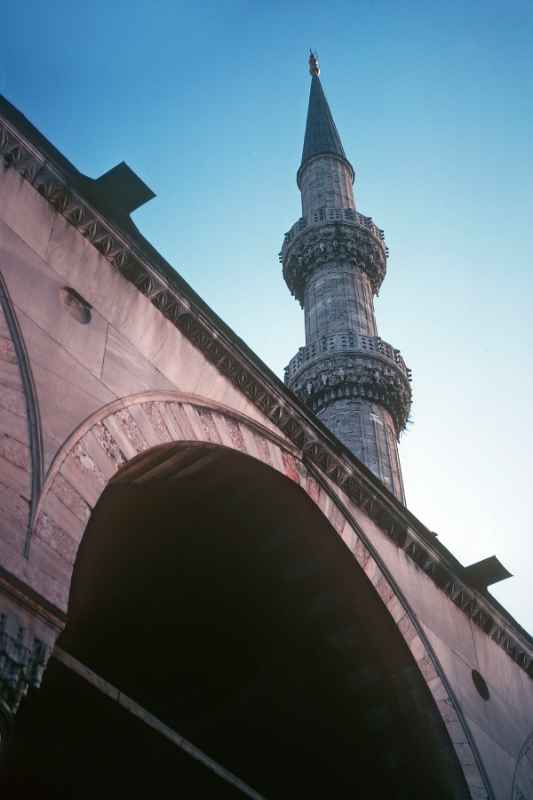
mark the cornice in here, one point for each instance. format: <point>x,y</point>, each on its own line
<point>223,349</point>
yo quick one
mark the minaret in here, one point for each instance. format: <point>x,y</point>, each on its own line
<point>334,261</point>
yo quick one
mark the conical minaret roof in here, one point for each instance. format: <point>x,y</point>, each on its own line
<point>321,134</point>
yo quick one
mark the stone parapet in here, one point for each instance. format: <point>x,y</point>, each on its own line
<point>363,374</point>
<point>328,240</point>
<point>344,343</point>
<point>324,215</point>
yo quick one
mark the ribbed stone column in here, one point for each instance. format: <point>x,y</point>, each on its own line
<point>337,299</point>
<point>334,261</point>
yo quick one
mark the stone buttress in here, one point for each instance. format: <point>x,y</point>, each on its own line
<point>334,261</point>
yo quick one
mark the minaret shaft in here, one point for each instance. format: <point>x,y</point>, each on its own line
<point>326,182</point>
<point>338,299</point>
<point>334,260</point>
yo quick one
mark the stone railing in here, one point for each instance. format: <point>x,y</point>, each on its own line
<point>345,343</point>
<point>328,215</point>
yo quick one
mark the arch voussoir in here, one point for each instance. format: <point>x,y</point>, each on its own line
<point>123,431</point>
<point>118,434</point>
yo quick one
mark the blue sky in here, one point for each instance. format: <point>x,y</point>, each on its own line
<point>207,102</point>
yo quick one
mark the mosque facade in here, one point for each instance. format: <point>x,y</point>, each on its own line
<point>209,578</point>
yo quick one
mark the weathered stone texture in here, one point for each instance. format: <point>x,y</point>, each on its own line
<point>36,290</point>
<point>326,181</point>
<point>338,299</point>
<point>126,371</point>
<point>368,431</point>
<point>34,226</point>
<point>127,347</point>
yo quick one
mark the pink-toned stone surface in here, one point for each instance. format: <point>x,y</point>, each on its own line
<point>85,377</point>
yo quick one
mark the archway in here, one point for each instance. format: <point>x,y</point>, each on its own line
<point>212,589</point>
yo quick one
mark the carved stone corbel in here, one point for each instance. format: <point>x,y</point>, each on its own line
<point>22,662</point>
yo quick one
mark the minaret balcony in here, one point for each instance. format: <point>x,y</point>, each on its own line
<point>328,215</point>
<point>336,235</point>
<point>344,343</point>
<point>354,366</point>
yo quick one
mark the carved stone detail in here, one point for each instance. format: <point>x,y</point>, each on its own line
<point>21,665</point>
<point>362,375</point>
<point>347,343</point>
<point>317,245</point>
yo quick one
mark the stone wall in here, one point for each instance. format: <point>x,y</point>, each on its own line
<point>79,364</point>
<point>92,339</point>
<point>500,724</point>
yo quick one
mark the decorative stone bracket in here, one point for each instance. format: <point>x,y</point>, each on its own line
<point>22,663</point>
<point>366,377</point>
<point>352,244</point>
<point>345,342</point>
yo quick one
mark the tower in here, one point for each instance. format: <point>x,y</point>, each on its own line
<point>334,261</point>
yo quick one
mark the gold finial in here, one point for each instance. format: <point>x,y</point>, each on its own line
<point>314,66</point>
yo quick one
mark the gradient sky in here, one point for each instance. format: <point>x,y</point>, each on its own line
<point>206,101</point>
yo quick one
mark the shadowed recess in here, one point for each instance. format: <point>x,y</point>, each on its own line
<point>214,592</point>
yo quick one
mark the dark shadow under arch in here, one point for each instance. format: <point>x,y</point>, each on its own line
<point>212,590</point>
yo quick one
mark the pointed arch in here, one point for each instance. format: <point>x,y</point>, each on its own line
<point>120,432</point>
<point>17,352</point>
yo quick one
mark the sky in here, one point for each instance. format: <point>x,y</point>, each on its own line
<point>206,101</point>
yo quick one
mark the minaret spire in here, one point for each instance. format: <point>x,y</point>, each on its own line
<point>321,134</point>
<point>334,261</point>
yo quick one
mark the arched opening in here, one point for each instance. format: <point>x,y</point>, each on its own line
<point>213,591</point>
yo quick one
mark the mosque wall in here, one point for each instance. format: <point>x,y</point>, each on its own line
<point>80,336</point>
